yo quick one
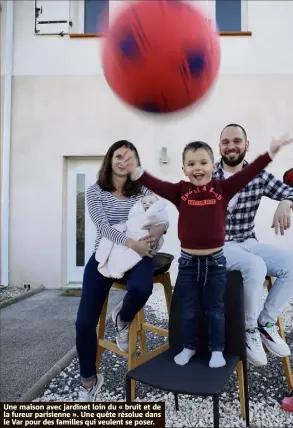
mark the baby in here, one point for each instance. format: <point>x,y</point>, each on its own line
<point>148,200</point>
<point>114,259</point>
<point>136,227</point>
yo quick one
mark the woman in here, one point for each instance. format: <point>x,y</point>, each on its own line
<point>109,202</point>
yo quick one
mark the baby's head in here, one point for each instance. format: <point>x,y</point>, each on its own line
<point>148,200</point>
<point>198,163</point>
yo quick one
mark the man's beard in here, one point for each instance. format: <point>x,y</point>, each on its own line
<point>234,162</point>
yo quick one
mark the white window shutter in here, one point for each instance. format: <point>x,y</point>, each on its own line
<point>52,17</point>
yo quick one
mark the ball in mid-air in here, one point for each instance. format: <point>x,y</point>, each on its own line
<point>161,56</point>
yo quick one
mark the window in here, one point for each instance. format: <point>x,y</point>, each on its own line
<point>80,219</point>
<point>96,15</point>
<point>51,17</point>
<point>89,17</point>
<point>230,15</point>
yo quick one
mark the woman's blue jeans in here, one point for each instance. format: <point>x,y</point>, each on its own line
<point>95,289</point>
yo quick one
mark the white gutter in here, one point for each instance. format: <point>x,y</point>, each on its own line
<point>8,64</point>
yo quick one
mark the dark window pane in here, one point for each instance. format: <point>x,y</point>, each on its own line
<point>80,219</point>
<point>228,15</point>
<point>96,16</point>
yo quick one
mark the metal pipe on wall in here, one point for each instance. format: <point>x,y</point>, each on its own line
<point>5,184</point>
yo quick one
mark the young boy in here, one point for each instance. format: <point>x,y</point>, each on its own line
<point>202,204</point>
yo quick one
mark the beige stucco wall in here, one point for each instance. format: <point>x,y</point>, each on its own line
<point>63,107</point>
<point>63,116</point>
<point>268,51</point>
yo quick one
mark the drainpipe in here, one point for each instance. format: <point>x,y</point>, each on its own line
<point>8,63</point>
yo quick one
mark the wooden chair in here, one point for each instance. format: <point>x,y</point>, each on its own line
<point>269,281</point>
<point>156,372</point>
<point>196,377</point>
<point>138,326</point>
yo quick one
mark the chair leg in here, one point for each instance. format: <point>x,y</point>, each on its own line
<point>166,282</point>
<point>286,360</point>
<point>132,352</point>
<point>101,333</point>
<point>288,372</point>
<point>216,411</point>
<point>176,401</point>
<point>240,376</point>
<point>246,391</point>
<point>141,332</point>
<point>128,389</point>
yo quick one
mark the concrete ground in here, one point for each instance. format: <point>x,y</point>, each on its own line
<point>35,333</point>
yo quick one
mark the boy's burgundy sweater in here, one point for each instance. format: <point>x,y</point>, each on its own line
<point>203,209</point>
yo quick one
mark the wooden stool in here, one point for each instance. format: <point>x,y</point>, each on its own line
<point>286,360</point>
<point>268,283</point>
<point>137,328</point>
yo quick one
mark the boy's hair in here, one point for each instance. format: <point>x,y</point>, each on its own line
<point>196,145</point>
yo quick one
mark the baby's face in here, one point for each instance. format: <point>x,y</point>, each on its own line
<point>148,200</point>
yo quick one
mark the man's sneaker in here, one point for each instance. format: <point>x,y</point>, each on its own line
<point>89,395</point>
<point>122,329</point>
<point>255,352</point>
<point>273,341</point>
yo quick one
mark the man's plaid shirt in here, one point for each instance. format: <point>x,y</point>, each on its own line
<point>240,222</point>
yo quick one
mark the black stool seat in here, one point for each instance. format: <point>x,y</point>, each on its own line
<point>162,263</point>
<point>195,378</point>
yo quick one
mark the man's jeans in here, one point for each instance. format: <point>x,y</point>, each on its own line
<point>201,285</point>
<point>255,260</point>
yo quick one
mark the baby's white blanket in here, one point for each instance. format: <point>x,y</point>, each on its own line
<point>114,259</point>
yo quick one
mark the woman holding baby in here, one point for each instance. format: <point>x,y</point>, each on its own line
<point>109,202</point>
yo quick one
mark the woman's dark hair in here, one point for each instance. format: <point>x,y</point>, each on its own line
<point>104,179</point>
<point>196,145</point>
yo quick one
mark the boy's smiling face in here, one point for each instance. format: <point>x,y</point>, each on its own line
<point>198,167</point>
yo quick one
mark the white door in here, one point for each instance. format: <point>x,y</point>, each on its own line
<point>81,232</point>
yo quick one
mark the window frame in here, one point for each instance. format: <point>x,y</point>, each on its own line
<point>211,4</point>
<point>77,18</point>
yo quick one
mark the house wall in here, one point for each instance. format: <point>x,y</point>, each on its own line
<point>62,106</point>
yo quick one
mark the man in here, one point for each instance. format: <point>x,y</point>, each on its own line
<point>253,259</point>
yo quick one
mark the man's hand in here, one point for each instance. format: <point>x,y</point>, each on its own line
<point>155,233</point>
<point>276,145</point>
<point>282,217</point>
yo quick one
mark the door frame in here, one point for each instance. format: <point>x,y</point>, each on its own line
<point>70,278</point>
